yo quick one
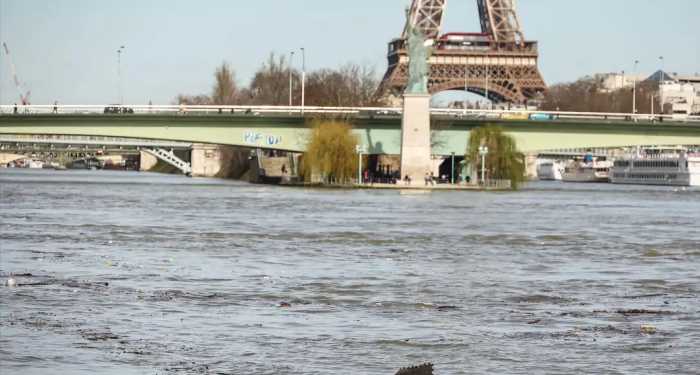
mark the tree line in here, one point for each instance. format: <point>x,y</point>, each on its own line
<point>355,85</point>
<point>589,95</point>
<point>351,85</point>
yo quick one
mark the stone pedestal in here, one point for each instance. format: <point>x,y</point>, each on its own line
<point>415,138</point>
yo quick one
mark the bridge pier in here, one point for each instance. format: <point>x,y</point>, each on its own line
<point>416,149</point>
<point>146,161</point>
<point>206,160</point>
<point>531,166</point>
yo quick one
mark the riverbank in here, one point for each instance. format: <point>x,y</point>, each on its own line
<point>436,187</point>
<point>500,186</point>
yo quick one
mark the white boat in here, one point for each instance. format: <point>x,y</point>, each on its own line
<point>550,170</point>
<point>35,164</point>
<point>658,166</point>
<point>591,170</point>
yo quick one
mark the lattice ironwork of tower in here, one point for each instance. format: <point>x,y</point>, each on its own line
<point>498,62</point>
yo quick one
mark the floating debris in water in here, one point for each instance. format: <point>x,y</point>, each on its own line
<point>11,283</point>
<point>628,312</point>
<point>648,329</point>
<point>447,307</point>
<point>424,369</point>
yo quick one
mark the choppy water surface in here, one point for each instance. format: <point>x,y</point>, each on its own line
<point>135,273</point>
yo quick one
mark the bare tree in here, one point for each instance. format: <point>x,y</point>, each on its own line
<point>225,90</point>
<point>588,95</point>
<point>270,85</point>
<point>192,99</point>
<point>350,86</point>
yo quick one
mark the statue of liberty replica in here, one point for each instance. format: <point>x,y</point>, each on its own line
<point>419,51</point>
<point>416,152</point>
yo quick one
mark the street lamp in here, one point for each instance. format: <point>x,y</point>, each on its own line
<point>634,89</point>
<point>661,81</point>
<point>303,79</point>
<point>119,74</point>
<point>483,151</point>
<point>452,173</point>
<point>291,58</point>
<point>359,151</point>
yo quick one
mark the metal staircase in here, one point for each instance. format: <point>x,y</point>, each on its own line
<point>169,157</point>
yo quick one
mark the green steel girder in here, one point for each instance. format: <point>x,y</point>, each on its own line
<point>379,135</point>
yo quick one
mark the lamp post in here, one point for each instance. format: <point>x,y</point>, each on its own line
<point>119,74</point>
<point>483,151</point>
<point>303,79</point>
<point>291,58</point>
<point>359,150</point>
<point>634,89</point>
<point>452,173</point>
<point>661,81</point>
<point>622,82</point>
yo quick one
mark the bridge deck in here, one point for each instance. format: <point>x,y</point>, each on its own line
<point>378,129</point>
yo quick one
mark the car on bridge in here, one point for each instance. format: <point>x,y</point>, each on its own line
<point>541,117</point>
<point>118,109</point>
<point>514,116</point>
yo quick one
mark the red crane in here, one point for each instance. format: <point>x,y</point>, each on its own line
<point>23,97</point>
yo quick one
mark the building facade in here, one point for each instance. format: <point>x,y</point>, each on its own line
<point>681,95</point>
<point>616,81</point>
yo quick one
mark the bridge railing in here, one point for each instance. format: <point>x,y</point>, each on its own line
<point>187,109</point>
<point>539,115</point>
<point>484,114</point>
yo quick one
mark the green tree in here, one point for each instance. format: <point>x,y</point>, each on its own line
<point>504,161</point>
<point>331,152</point>
<point>224,92</point>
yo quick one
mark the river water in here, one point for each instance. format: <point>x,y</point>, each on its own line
<point>126,273</point>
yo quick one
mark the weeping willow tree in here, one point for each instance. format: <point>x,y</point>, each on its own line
<point>503,161</point>
<point>330,153</point>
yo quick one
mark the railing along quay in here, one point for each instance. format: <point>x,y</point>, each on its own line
<point>91,140</point>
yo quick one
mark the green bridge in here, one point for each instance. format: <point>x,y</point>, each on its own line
<point>379,134</point>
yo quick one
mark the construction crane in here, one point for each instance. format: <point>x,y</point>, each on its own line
<point>23,97</point>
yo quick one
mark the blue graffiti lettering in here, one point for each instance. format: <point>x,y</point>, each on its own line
<point>255,138</point>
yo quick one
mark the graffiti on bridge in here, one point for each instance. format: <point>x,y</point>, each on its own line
<point>260,139</point>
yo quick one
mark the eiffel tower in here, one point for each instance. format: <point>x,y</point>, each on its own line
<point>497,63</point>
